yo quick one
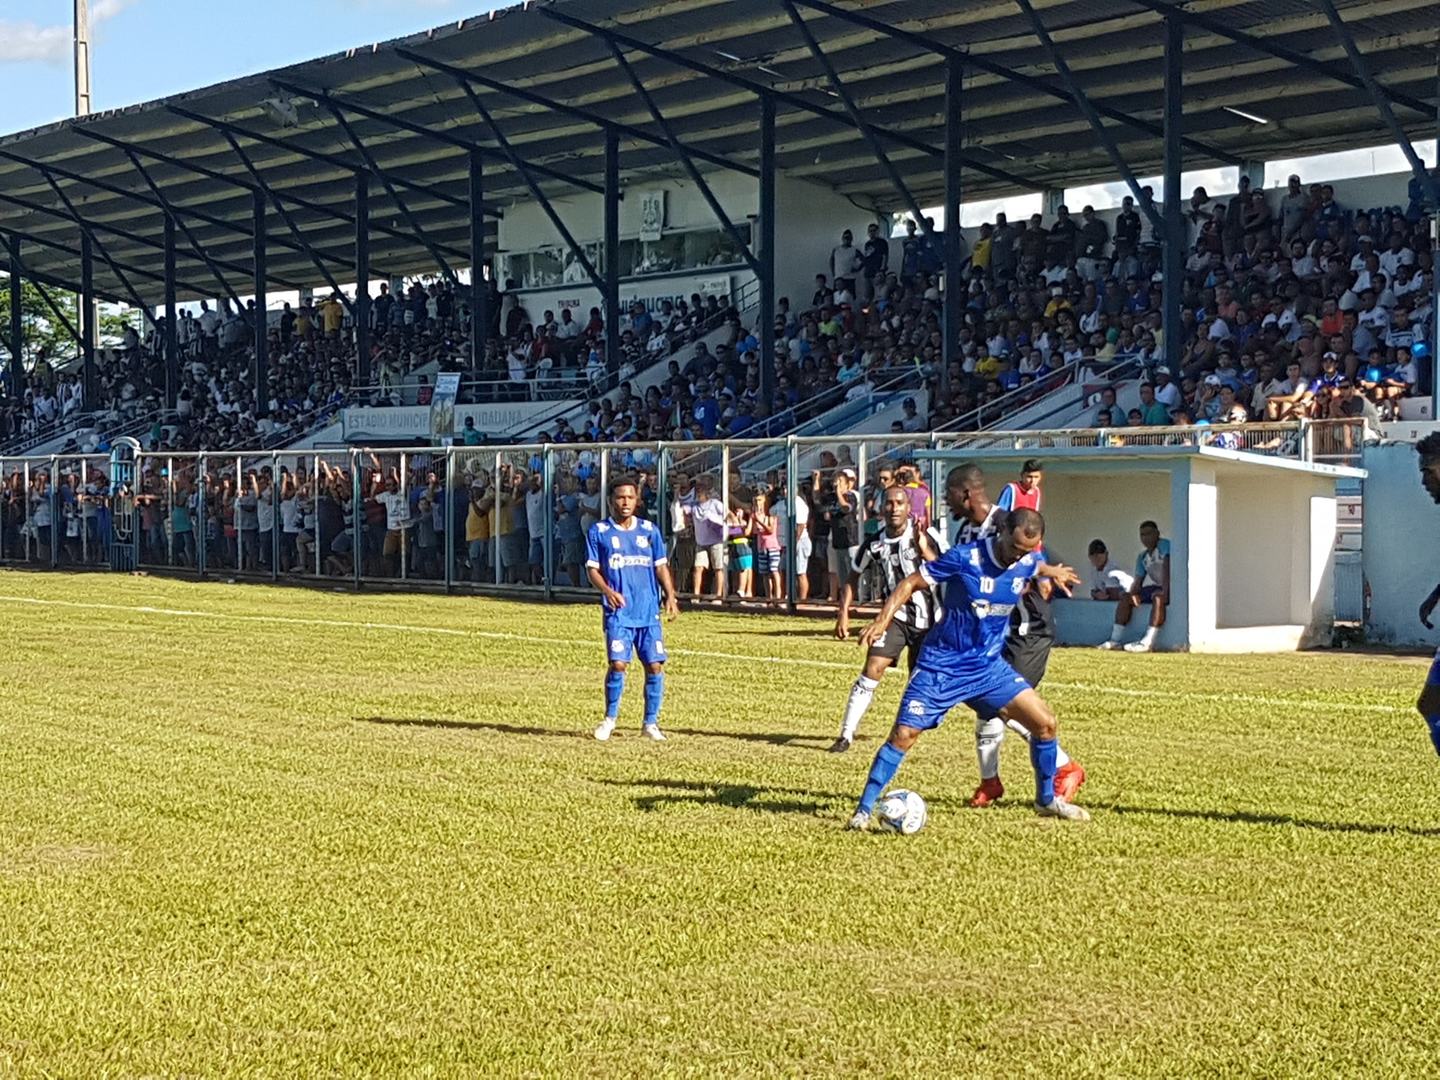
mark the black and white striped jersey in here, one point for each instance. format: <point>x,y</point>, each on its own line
<point>897,558</point>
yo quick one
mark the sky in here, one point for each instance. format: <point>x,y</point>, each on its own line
<point>147,49</point>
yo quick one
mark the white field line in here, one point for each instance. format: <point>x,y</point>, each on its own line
<point>495,635</point>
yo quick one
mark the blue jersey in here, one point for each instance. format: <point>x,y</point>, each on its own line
<point>980,595</point>
<point>627,559</point>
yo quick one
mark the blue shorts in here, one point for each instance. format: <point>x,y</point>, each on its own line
<point>930,695</point>
<point>1149,592</point>
<point>1433,679</point>
<point>537,551</point>
<point>770,562</point>
<point>622,642</point>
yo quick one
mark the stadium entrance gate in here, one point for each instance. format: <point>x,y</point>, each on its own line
<point>124,510</point>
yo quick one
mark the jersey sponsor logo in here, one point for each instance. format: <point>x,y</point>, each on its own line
<point>984,609</point>
<point>620,562</point>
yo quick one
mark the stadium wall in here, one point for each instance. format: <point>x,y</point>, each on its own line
<point>1400,552</point>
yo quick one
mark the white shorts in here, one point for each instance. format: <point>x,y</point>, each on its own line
<point>710,558</point>
<point>803,548</point>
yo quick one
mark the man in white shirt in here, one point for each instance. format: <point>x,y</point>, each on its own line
<point>1105,580</point>
<point>1396,256</point>
<point>708,519</point>
<point>844,258</point>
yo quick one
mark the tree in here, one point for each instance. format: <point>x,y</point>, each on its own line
<point>45,334</point>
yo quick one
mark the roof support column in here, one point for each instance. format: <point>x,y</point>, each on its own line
<point>172,340</point>
<point>611,254</point>
<point>261,366</point>
<point>17,324</point>
<point>479,287</point>
<point>360,309</point>
<point>954,299</point>
<point>766,277</point>
<point>89,322</point>
<point>1173,226</point>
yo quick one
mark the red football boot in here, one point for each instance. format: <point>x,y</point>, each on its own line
<point>989,792</point>
<point>1068,779</point>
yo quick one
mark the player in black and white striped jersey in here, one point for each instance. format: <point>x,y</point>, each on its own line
<point>1027,647</point>
<point>898,551</point>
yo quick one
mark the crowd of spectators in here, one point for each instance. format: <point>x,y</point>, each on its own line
<point>1296,306</point>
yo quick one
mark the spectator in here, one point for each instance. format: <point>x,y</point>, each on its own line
<point>1105,580</point>
<point>708,520</point>
<point>1151,585</point>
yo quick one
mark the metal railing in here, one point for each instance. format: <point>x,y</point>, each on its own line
<point>514,518</point>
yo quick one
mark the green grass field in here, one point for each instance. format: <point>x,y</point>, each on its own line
<point>265,831</point>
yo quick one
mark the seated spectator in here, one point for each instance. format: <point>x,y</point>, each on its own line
<point>1105,580</point>
<point>1151,585</point>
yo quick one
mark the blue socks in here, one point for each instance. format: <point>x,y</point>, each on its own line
<point>614,687</point>
<point>654,695</point>
<point>1042,757</point>
<point>882,771</point>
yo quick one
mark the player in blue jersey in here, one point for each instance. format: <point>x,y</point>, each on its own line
<point>1429,704</point>
<point>961,660</point>
<point>625,560</point>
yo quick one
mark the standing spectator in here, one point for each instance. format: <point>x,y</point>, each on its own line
<point>535,514</point>
<point>1093,240</point>
<point>845,259</point>
<point>478,518</point>
<point>708,519</point>
<point>841,512</point>
<point>1151,586</point>
<point>876,262</point>
<point>682,530</point>
<point>765,528</point>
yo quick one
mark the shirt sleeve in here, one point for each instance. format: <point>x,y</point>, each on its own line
<point>592,547</point>
<point>1006,501</point>
<point>657,545</point>
<point>948,566</point>
<point>862,560</point>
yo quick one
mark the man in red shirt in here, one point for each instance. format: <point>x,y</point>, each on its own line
<point>1024,495</point>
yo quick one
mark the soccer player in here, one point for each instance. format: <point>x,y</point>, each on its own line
<point>625,559</point>
<point>898,551</point>
<point>1027,645</point>
<point>1024,495</point>
<point>961,658</point>
<point>1429,703</point>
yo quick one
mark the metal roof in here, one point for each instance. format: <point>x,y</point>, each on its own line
<point>548,79</point>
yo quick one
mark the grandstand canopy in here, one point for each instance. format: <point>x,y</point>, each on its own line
<point>1262,79</point>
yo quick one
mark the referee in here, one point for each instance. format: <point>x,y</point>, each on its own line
<point>896,552</point>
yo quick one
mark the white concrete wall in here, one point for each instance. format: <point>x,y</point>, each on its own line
<point>1263,535</point>
<point>1401,547</point>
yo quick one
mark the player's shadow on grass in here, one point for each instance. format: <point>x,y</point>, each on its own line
<point>471,725</point>
<point>772,800</point>
<point>1249,817</point>
<point>773,738</point>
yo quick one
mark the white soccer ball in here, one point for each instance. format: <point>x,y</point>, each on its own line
<point>902,812</point>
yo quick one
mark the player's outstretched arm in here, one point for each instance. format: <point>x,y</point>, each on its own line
<point>1427,607</point>
<point>1064,577</point>
<point>893,603</point>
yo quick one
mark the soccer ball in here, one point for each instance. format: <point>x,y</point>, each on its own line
<point>902,812</point>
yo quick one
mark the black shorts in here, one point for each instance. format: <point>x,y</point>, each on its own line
<point>1028,655</point>
<point>899,638</point>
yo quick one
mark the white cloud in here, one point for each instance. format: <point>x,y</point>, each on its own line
<point>28,41</point>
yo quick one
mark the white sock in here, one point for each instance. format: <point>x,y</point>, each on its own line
<point>1117,632</point>
<point>1061,758</point>
<point>989,734</point>
<point>860,696</point>
<point>1149,639</point>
